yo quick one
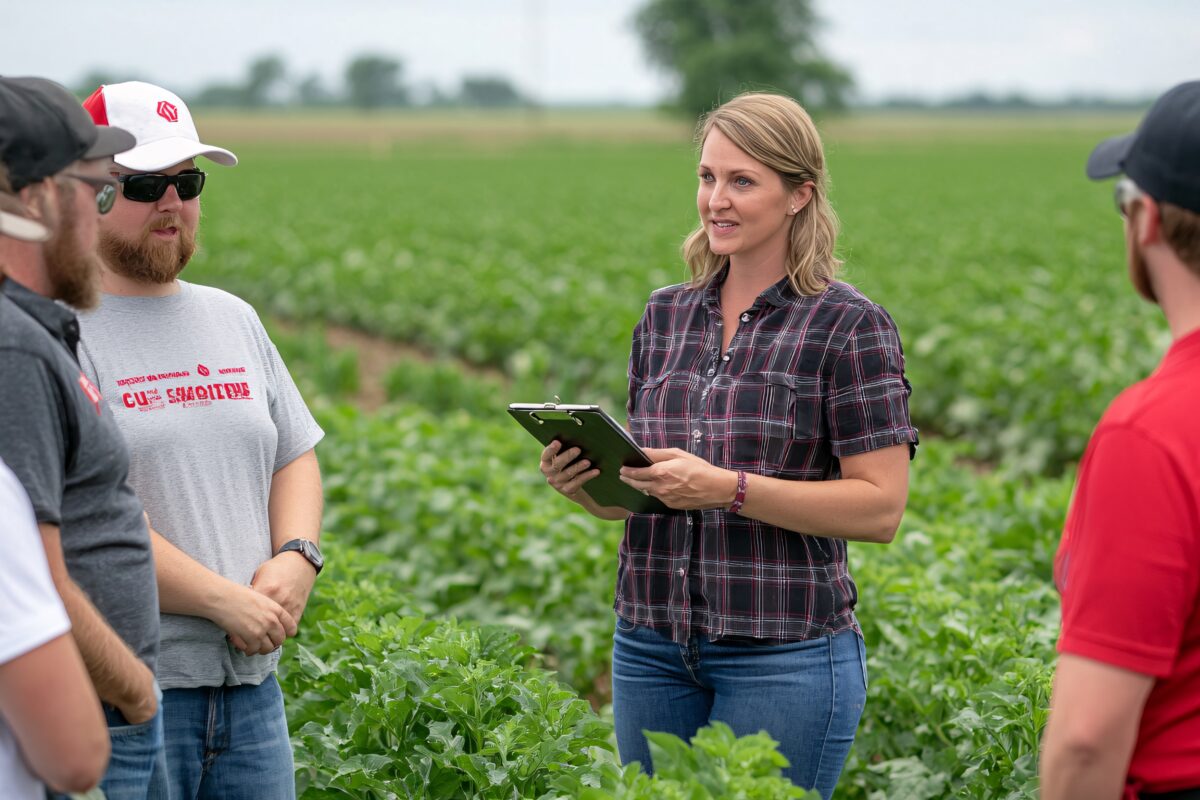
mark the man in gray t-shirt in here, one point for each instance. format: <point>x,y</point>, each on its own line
<point>221,456</point>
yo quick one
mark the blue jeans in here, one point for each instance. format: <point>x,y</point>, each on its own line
<point>137,768</point>
<point>806,695</point>
<point>228,743</point>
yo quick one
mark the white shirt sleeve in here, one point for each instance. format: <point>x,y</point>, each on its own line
<point>31,612</point>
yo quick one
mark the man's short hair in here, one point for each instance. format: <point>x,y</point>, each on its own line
<point>1181,232</point>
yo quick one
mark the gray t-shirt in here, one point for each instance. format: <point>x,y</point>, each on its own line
<point>62,444</point>
<point>210,414</point>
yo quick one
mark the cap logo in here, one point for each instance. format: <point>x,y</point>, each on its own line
<point>203,370</point>
<point>168,111</point>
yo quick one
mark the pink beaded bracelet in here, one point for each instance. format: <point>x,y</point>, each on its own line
<point>740,497</point>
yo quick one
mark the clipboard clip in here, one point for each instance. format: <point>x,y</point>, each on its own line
<point>554,407</point>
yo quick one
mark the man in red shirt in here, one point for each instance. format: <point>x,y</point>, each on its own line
<point>1125,713</point>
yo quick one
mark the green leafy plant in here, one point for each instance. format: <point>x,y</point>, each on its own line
<point>387,703</point>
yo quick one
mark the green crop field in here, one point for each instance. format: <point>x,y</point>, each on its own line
<point>511,257</point>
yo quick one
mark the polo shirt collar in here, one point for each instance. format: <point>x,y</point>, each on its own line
<point>59,321</point>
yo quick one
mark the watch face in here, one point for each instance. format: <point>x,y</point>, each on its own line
<point>313,553</point>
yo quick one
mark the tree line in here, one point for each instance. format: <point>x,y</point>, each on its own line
<point>369,81</point>
<point>713,49</point>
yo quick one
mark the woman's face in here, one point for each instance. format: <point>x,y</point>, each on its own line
<point>744,205</point>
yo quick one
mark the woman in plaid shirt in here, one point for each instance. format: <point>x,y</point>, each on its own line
<point>773,401</point>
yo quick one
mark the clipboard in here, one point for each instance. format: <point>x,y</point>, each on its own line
<point>602,440</point>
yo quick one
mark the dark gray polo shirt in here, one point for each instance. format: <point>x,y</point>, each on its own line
<point>59,438</point>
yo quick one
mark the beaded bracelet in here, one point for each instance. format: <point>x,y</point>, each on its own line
<point>740,497</point>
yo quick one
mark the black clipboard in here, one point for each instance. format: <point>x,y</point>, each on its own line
<point>602,441</point>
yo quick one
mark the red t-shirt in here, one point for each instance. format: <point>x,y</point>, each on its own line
<point>1128,567</point>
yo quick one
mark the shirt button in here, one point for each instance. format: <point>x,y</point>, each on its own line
<point>682,572</point>
<point>745,317</point>
<point>696,434</point>
<point>725,357</point>
<point>720,323</point>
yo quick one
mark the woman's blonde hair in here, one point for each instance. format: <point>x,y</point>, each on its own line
<point>777,132</point>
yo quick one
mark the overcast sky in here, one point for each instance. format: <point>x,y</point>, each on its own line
<point>586,50</point>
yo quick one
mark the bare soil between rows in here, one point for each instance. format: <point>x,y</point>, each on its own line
<point>377,356</point>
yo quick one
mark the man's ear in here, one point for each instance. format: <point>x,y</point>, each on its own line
<point>34,197</point>
<point>1148,224</point>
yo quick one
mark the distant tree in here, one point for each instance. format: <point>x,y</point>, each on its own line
<point>263,85</point>
<point>428,93</point>
<point>373,81</point>
<point>489,92</point>
<point>718,48</point>
<point>265,74</point>
<point>311,91</point>
<point>980,100</point>
<point>222,95</point>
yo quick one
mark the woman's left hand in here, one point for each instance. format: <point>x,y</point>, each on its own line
<point>682,480</point>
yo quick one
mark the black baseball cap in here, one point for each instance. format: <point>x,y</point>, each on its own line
<point>43,129</point>
<point>1163,155</point>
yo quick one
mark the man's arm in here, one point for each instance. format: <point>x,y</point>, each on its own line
<point>1095,711</point>
<point>294,510</point>
<point>48,702</point>
<point>119,676</point>
<point>256,624</point>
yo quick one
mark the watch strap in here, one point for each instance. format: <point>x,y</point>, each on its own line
<point>302,546</point>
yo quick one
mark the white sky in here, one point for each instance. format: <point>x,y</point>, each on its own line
<point>586,50</point>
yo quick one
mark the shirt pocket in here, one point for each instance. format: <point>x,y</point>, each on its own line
<point>660,411</point>
<point>768,413</point>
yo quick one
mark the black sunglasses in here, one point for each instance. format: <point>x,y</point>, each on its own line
<point>150,187</point>
<point>1124,193</point>
<point>106,190</point>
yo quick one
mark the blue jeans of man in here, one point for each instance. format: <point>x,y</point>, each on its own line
<point>228,743</point>
<point>137,768</point>
<point>806,695</point>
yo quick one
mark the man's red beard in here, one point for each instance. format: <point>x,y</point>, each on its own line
<point>72,272</point>
<point>149,259</point>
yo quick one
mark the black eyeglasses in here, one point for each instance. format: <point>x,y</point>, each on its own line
<point>150,187</point>
<point>106,190</point>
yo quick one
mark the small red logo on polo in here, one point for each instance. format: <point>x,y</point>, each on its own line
<point>168,111</point>
<point>203,370</point>
<point>90,390</point>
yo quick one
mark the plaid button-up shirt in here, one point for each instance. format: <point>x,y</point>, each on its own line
<point>805,381</point>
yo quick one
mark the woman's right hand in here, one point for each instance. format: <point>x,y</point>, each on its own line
<point>566,474</point>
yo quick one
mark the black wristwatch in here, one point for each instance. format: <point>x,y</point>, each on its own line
<point>306,548</point>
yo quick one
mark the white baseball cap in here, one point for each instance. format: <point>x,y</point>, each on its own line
<point>158,119</point>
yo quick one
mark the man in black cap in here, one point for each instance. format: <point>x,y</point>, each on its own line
<point>57,434</point>
<point>1125,714</point>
